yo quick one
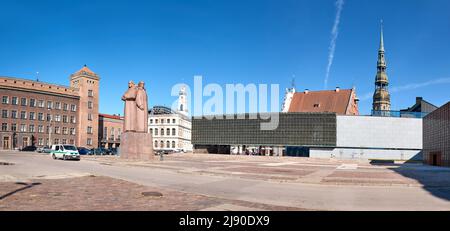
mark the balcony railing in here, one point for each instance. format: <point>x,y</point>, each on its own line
<point>400,114</point>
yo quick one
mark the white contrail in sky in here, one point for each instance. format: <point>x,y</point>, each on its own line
<point>411,86</point>
<point>334,34</point>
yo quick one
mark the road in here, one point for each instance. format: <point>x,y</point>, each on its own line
<point>293,194</point>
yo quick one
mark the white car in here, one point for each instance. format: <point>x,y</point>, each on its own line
<point>65,152</point>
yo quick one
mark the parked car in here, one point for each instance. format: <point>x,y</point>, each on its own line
<point>65,152</point>
<point>84,151</point>
<point>47,149</point>
<point>28,149</point>
<point>100,151</point>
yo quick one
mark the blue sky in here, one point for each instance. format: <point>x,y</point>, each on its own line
<point>258,41</point>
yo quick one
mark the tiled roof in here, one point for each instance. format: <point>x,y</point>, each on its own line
<point>111,116</point>
<point>321,101</point>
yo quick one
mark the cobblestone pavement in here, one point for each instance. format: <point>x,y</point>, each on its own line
<point>220,182</point>
<point>303,170</point>
<point>93,193</point>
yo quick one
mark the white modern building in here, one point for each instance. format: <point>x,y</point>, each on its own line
<point>171,129</point>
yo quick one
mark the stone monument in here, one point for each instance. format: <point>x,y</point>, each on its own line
<point>136,143</point>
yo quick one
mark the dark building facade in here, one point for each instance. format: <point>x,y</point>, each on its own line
<point>436,137</point>
<point>295,129</point>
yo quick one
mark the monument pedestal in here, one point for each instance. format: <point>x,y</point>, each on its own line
<point>136,146</point>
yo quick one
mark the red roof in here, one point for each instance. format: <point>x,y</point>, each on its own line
<point>111,116</point>
<point>336,101</point>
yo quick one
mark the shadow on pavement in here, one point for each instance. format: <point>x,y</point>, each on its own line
<point>435,180</point>
<point>26,186</point>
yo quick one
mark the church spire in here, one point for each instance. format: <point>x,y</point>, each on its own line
<point>381,97</point>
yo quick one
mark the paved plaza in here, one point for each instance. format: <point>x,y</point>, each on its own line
<point>31,181</point>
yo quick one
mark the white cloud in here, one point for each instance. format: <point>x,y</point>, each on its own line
<point>334,34</point>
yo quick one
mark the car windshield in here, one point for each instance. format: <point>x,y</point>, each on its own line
<point>70,147</point>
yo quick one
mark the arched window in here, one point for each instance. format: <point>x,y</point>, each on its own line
<point>168,144</point>
<point>168,131</point>
<point>156,143</point>
<point>173,144</point>
<point>181,107</point>
<point>162,144</point>
<point>151,131</point>
<point>162,131</point>
<point>156,131</point>
<point>174,131</point>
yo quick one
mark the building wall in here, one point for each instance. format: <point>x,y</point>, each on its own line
<point>49,99</point>
<point>436,136</point>
<point>379,132</point>
<point>88,116</point>
<point>110,131</point>
<point>181,139</point>
<point>364,154</point>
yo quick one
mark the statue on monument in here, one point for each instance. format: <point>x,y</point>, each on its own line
<point>136,142</point>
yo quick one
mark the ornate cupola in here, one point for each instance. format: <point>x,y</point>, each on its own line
<point>381,97</point>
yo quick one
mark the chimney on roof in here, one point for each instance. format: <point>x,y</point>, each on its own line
<point>306,91</point>
<point>338,89</point>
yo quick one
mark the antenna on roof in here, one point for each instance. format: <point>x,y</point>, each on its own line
<point>37,76</point>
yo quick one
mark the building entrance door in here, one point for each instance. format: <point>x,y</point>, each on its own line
<point>6,143</point>
<point>25,142</point>
<point>436,158</point>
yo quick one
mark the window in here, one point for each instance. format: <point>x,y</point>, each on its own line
<point>23,101</point>
<point>14,101</point>
<point>90,104</point>
<point>64,118</point>
<point>49,117</point>
<point>41,142</point>
<point>151,121</point>
<point>23,115</point>
<point>168,144</point>
<point>41,103</point>
<point>156,131</point>
<point>174,132</point>
<point>89,130</point>
<point>89,141</point>
<point>58,105</point>
<point>150,131</point>
<point>57,130</point>
<point>168,132</point>
<point>57,141</point>
<point>174,121</point>
<point>72,131</point>
<point>90,93</point>
<point>23,128</point>
<point>64,141</point>
<point>49,104</point>
<point>5,100</point>
<point>31,128</point>
<point>4,127</point>
<point>14,114</point>
<point>168,121</point>
<point>72,142</point>
<point>173,144</point>
<point>162,131</point>
<point>156,121</point>
<point>4,113</point>
<point>41,116</point>
<point>58,118</point>
<point>73,107</point>
<point>40,129</point>
<point>90,117</point>
<point>32,115</point>
<point>162,144</point>
<point>32,102</point>
<point>72,119</point>
<point>14,127</point>
<point>65,107</point>
<point>49,129</point>
<point>65,131</point>
<point>156,143</point>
